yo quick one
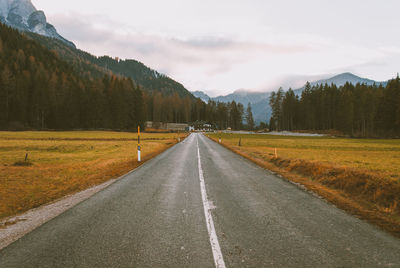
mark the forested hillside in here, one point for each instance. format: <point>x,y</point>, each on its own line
<point>38,90</point>
<point>94,67</point>
<point>356,110</point>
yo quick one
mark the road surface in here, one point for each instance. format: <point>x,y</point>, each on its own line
<point>200,205</point>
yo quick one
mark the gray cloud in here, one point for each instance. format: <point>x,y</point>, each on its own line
<point>223,45</point>
<point>214,55</point>
<point>209,42</point>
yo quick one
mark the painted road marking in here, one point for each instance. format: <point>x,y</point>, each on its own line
<point>216,250</point>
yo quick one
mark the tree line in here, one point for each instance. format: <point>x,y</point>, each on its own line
<point>355,110</point>
<point>38,90</point>
<point>161,108</point>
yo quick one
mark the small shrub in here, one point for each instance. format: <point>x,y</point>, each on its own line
<point>16,126</point>
<point>23,164</point>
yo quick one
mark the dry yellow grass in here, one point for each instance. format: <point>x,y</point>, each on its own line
<point>66,162</point>
<point>359,175</point>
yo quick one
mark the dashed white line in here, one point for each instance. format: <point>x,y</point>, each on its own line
<point>216,249</point>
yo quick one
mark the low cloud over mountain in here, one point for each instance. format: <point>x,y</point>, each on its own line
<point>260,100</point>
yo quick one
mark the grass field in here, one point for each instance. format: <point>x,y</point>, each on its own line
<point>66,162</point>
<point>359,175</point>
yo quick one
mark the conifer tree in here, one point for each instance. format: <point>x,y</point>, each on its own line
<point>249,117</point>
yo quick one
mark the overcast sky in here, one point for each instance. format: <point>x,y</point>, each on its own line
<point>219,46</point>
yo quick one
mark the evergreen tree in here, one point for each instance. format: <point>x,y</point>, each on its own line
<point>289,110</point>
<point>355,110</point>
<point>249,118</point>
<point>276,100</point>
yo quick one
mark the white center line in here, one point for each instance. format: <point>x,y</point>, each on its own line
<point>216,250</point>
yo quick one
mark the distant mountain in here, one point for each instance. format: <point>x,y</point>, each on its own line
<point>260,100</point>
<point>201,95</point>
<point>341,80</point>
<point>243,96</point>
<point>261,110</point>
<point>22,15</point>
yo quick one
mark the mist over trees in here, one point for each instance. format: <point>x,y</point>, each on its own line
<point>355,110</point>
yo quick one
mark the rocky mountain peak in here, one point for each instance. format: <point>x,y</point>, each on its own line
<point>22,15</point>
<point>5,6</point>
<point>22,8</point>
<point>35,18</point>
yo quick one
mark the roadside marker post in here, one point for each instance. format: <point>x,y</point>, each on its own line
<point>139,149</point>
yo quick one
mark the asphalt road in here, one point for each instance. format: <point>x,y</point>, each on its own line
<point>156,217</point>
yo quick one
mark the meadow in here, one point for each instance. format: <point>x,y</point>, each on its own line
<point>62,163</point>
<point>361,176</point>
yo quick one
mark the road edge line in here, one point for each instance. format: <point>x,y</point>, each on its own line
<point>215,247</point>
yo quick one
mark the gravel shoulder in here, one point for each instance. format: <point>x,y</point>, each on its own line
<point>13,228</point>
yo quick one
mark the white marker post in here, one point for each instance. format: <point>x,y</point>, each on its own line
<point>138,148</point>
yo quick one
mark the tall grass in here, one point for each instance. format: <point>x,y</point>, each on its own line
<point>359,175</point>
<point>66,162</point>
